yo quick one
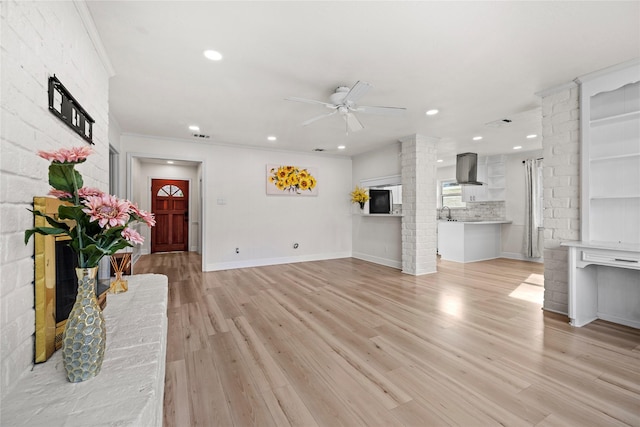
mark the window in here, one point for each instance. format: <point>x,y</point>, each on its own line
<point>451,194</point>
<point>170,190</point>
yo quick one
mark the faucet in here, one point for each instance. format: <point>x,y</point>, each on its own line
<point>448,215</point>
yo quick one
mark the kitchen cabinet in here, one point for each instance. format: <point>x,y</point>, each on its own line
<point>468,241</point>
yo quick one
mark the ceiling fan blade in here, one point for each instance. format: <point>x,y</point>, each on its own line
<point>357,91</point>
<point>382,111</point>
<point>353,124</point>
<point>311,120</point>
<point>311,101</point>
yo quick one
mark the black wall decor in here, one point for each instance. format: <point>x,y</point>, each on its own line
<point>64,106</point>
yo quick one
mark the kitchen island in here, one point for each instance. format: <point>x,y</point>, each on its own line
<point>470,240</point>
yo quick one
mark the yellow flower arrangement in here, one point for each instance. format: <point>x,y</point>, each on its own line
<point>359,195</point>
<point>292,179</point>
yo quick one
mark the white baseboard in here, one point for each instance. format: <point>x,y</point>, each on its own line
<point>519,256</point>
<point>217,266</point>
<point>555,311</point>
<point>378,260</point>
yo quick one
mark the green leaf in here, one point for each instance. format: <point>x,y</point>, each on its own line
<point>62,176</point>
<point>44,231</point>
<point>57,224</point>
<point>71,212</point>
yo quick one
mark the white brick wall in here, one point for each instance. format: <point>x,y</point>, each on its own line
<point>561,145</point>
<point>419,225</point>
<point>38,39</point>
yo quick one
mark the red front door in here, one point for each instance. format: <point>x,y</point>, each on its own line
<point>170,204</point>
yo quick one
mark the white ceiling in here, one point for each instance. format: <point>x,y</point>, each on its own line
<point>477,62</point>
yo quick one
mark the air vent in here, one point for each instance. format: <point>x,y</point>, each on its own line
<point>318,149</point>
<point>500,123</point>
<point>199,135</point>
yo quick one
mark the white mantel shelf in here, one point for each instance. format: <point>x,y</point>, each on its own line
<point>128,391</point>
<point>381,215</point>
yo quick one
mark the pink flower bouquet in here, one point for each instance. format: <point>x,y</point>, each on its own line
<point>102,222</point>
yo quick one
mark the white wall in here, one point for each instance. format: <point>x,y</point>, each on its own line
<point>38,40</point>
<point>239,214</point>
<point>377,239</point>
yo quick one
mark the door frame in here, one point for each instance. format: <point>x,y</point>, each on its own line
<point>147,196</point>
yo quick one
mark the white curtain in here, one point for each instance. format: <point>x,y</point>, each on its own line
<point>533,206</point>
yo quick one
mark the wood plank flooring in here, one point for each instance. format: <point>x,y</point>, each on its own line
<point>349,343</point>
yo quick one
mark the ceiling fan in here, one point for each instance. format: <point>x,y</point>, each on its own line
<point>344,102</point>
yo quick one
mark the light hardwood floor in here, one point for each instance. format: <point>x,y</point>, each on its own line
<point>349,343</point>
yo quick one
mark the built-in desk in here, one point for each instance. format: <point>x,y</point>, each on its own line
<point>604,283</point>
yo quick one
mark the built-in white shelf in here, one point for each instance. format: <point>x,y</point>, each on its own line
<point>619,156</point>
<point>616,118</point>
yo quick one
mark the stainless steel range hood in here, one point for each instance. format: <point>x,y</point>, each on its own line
<point>467,169</point>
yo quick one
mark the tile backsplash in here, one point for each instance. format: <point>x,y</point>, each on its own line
<point>477,210</point>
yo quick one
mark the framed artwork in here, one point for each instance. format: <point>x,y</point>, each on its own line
<point>286,180</point>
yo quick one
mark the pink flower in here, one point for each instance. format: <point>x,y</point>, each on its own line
<point>145,216</point>
<point>132,236</point>
<point>60,194</point>
<point>67,155</point>
<point>108,210</point>
<point>89,191</point>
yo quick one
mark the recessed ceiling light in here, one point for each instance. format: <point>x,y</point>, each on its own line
<point>439,160</point>
<point>213,55</point>
<point>170,162</point>
<point>517,147</point>
<point>194,128</point>
<point>533,135</point>
<point>271,138</point>
<point>477,138</point>
<point>341,147</point>
<point>432,112</point>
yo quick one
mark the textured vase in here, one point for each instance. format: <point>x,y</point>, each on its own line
<point>85,334</point>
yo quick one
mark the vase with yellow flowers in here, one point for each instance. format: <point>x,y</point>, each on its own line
<point>97,225</point>
<point>359,195</point>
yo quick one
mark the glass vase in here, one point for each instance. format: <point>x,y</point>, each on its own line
<point>85,334</point>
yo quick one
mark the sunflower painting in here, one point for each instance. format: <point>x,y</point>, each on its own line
<point>291,180</point>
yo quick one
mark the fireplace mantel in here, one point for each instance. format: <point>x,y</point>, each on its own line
<point>128,391</point>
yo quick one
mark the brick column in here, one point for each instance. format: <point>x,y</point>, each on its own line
<point>561,144</point>
<point>419,225</point>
